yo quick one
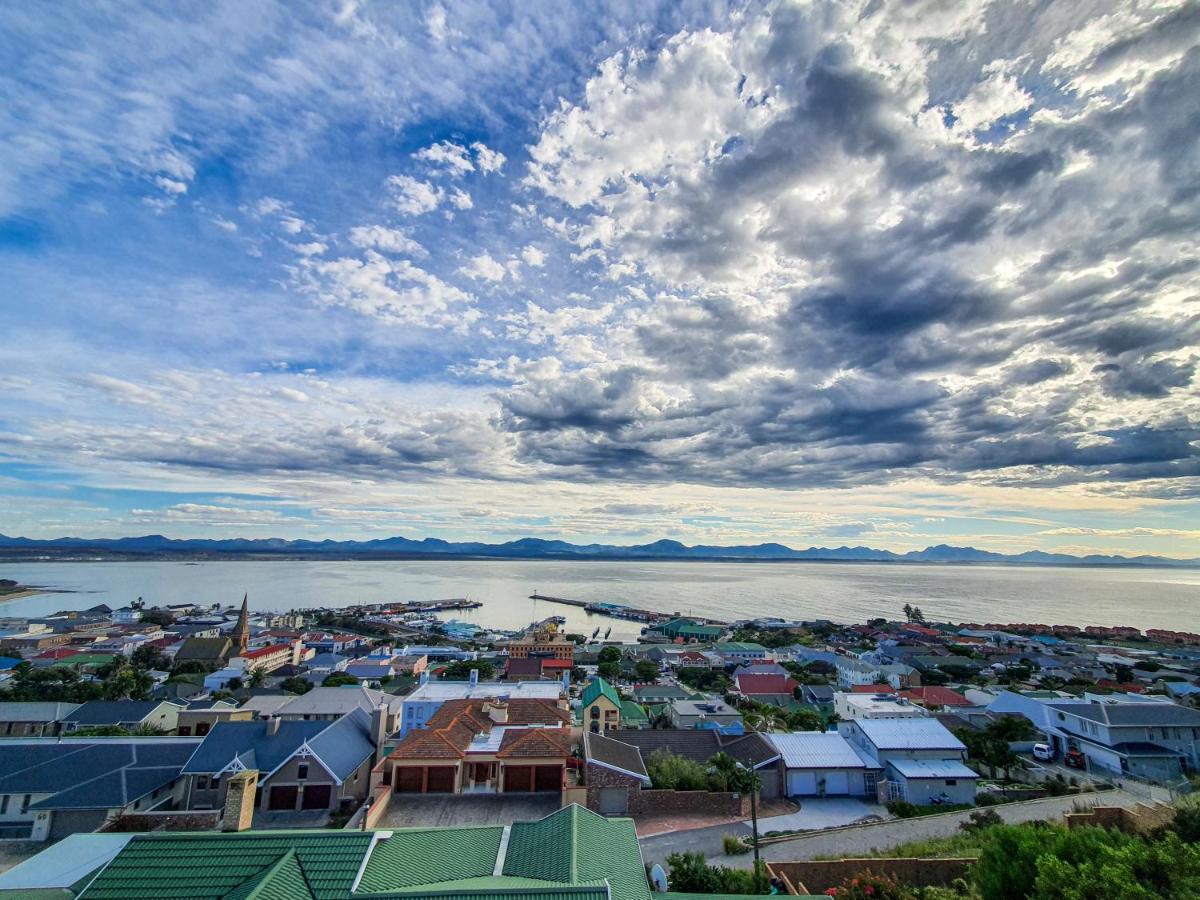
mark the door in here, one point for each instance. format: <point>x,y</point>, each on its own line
<point>548,778</point>
<point>837,783</point>
<point>518,778</point>
<point>316,796</point>
<point>801,783</point>
<point>614,801</point>
<point>283,796</point>
<point>441,780</point>
<point>406,780</point>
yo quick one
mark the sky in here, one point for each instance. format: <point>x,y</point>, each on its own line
<point>879,273</point>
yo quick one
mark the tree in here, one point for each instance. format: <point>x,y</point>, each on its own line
<point>296,685</point>
<point>646,670</point>
<point>609,670</point>
<point>610,654</point>
<point>150,657</point>
<point>128,683</point>
<point>190,667</point>
<point>158,617</point>
<point>460,670</point>
<point>257,677</point>
<point>805,720</point>
<point>338,679</point>
<point>702,679</point>
<point>908,612</point>
<point>689,873</point>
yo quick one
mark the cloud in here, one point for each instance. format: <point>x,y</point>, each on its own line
<point>533,256</point>
<point>386,240</point>
<point>414,197</point>
<point>484,267</point>
<point>447,156</point>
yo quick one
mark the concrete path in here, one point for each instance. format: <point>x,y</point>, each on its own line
<point>462,810</point>
<point>822,812</point>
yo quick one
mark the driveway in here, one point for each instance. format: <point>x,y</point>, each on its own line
<point>464,810</point>
<point>823,812</point>
<point>300,818</point>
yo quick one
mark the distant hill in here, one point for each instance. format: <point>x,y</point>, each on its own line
<point>157,545</point>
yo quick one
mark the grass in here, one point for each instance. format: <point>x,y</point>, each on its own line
<point>955,846</point>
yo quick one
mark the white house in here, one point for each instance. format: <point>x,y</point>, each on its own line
<point>823,764</point>
<point>921,761</point>
<point>850,707</point>
<point>851,671</point>
<point>426,698</point>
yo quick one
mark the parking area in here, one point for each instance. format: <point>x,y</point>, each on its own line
<point>299,818</point>
<point>823,812</point>
<point>462,810</point>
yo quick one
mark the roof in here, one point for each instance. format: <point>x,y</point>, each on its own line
<point>816,750</point>
<point>751,685</point>
<point>932,768</point>
<point>614,754</point>
<point>204,649</point>
<point>645,692</point>
<point>632,712</point>
<point>936,696</point>
<point>64,863</point>
<point>530,665</point>
<point>739,647</point>
<point>450,731</point>
<point>570,853</point>
<point>917,733</point>
<point>1119,714</point>
<point>266,651</point>
<point>597,688</point>
<point>113,712</point>
<point>698,744</point>
<point>91,774</point>
<point>336,701</point>
<point>267,704</point>
<point>437,691</point>
<point>341,745</point>
<point>18,711</point>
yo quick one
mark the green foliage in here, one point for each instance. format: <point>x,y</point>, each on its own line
<point>1187,824</point>
<point>734,845</point>
<point>646,670</point>
<point>902,809</point>
<point>158,617</point>
<point>296,685</point>
<point>689,873</point>
<point>981,819</point>
<point>147,657</point>
<point>460,670</point>
<point>772,637</point>
<point>609,654</point>
<point>698,679</point>
<point>868,885</point>
<point>609,670</point>
<point>990,747</point>
<point>336,679</point>
<point>118,731</point>
<point>128,683</point>
<point>190,667</point>
<point>52,683</point>
<point>674,773</point>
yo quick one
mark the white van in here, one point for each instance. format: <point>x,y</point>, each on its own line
<point>1043,752</point>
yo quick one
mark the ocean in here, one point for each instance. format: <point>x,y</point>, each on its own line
<point>1142,597</point>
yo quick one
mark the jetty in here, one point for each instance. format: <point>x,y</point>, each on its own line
<point>620,611</point>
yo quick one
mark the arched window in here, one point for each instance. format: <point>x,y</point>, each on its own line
<point>595,712</point>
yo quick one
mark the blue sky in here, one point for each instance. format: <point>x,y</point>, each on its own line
<point>822,273</point>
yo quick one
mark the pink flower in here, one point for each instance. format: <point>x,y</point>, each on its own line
<point>869,890</point>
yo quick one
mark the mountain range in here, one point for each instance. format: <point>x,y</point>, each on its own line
<point>156,545</point>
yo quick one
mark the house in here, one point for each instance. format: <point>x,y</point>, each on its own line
<point>546,641</point>
<point>706,713</point>
<point>199,716</point>
<point>420,704</point>
<point>317,764</point>
<point>324,642</point>
<point>28,642</point>
<point>817,694</point>
<point>52,788</point>
<point>692,659</point>
<point>600,706</point>
<point>482,746</point>
<point>687,630</point>
<point>126,615</point>
<point>776,690</point>
<point>268,658</point>
<point>33,719</point>
<point>211,652</point>
<point>326,664</point>
<point>130,714</point>
<point>325,704</point>
<point>369,673</point>
<point>662,693</point>
<point>736,652</point>
<point>413,664</point>
<point>823,764</point>
<point>616,762</point>
<point>851,706</point>
<point>920,760</point>
<point>571,853</point>
<point>934,697</point>
<point>852,672</point>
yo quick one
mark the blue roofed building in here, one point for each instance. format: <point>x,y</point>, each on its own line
<point>918,759</point>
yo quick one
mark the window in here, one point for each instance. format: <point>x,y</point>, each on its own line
<point>25,804</point>
<point>595,713</point>
<point>302,771</point>
<point>3,804</point>
<point>185,730</point>
<point>215,784</point>
<point>951,782</point>
<point>202,782</point>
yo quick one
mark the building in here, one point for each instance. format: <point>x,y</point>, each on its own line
<point>617,772</point>
<point>325,704</point>
<point>268,658</point>
<point>427,697</point>
<point>199,717</point>
<point>705,713</point>
<point>572,853</point>
<point>52,788</point>
<point>852,671</point>
<point>687,631</point>
<point>600,706</point>
<point>300,764</point>
<point>324,664</point>
<point>850,707</point>
<point>126,615</point>
<point>241,631</point>
<point>546,641</point>
<point>772,689</point>
<point>129,714</point>
<point>33,719</point>
<point>211,652</point>
<point>920,760</point>
<point>737,652</point>
<point>823,764</point>
<point>934,697</point>
<point>31,642</point>
<point>483,747</point>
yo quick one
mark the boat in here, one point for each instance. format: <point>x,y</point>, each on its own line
<point>596,632</point>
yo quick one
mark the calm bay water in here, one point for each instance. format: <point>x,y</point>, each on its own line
<point>1145,598</point>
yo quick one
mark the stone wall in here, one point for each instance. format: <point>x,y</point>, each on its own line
<point>1142,819</point>
<point>817,876</point>
<point>195,820</point>
<point>645,801</point>
<point>597,777</point>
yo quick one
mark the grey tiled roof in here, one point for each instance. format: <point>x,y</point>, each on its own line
<point>614,754</point>
<point>1150,713</point>
<point>112,712</point>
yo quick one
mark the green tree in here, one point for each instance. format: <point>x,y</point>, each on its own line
<point>149,657</point>
<point>128,683</point>
<point>805,720</point>
<point>610,654</point>
<point>338,679</point>
<point>296,685</point>
<point>460,670</point>
<point>646,670</point>
<point>609,670</point>
<point>257,677</point>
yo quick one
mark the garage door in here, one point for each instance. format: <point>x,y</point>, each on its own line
<point>518,778</point>
<point>548,778</point>
<point>837,783</point>
<point>406,780</point>
<point>614,801</point>
<point>283,796</point>
<point>802,784</point>
<point>441,780</point>
<point>316,796</point>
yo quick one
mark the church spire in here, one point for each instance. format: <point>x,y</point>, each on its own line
<point>242,632</point>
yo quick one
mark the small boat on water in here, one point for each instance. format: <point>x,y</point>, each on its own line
<point>607,633</point>
<point>596,632</point>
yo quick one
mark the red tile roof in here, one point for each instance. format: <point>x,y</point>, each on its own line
<point>557,663</point>
<point>935,696</point>
<point>450,730</point>
<point>751,685</point>
<point>265,651</point>
<point>57,653</point>
<point>872,689</point>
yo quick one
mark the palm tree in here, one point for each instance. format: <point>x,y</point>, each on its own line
<point>257,677</point>
<point>725,769</point>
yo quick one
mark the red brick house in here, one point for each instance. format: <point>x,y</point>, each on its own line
<point>483,747</point>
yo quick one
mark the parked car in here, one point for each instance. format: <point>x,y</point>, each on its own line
<point>1075,759</point>
<point>1043,752</point>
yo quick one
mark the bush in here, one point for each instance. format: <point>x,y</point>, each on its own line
<point>981,819</point>
<point>868,885</point>
<point>735,846</point>
<point>987,798</point>
<point>674,773</point>
<point>689,873</point>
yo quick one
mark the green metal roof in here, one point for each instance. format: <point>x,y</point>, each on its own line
<point>598,687</point>
<point>421,857</point>
<point>632,713</point>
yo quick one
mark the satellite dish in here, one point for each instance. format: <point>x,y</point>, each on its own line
<point>658,877</point>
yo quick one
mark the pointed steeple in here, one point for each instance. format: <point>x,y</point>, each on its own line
<point>242,632</point>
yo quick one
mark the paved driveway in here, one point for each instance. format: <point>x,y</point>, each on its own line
<point>465,810</point>
<point>823,812</point>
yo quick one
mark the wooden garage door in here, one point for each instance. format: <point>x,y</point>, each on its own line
<point>316,796</point>
<point>518,778</point>
<point>406,779</point>
<point>548,778</point>
<point>283,796</point>
<point>441,780</point>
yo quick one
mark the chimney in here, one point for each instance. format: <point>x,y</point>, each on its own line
<point>497,710</point>
<point>424,676</point>
<point>379,730</point>
<point>273,726</point>
<point>238,812</point>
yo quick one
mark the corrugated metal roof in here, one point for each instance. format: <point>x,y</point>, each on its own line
<point>932,768</point>
<point>816,750</point>
<point>909,734</point>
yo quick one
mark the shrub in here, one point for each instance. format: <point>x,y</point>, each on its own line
<point>735,846</point>
<point>868,885</point>
<point>674,773</point>
<point>689,873</point>
<point>981,819</point>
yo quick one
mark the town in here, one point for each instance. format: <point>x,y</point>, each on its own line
<point>215,751</point>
